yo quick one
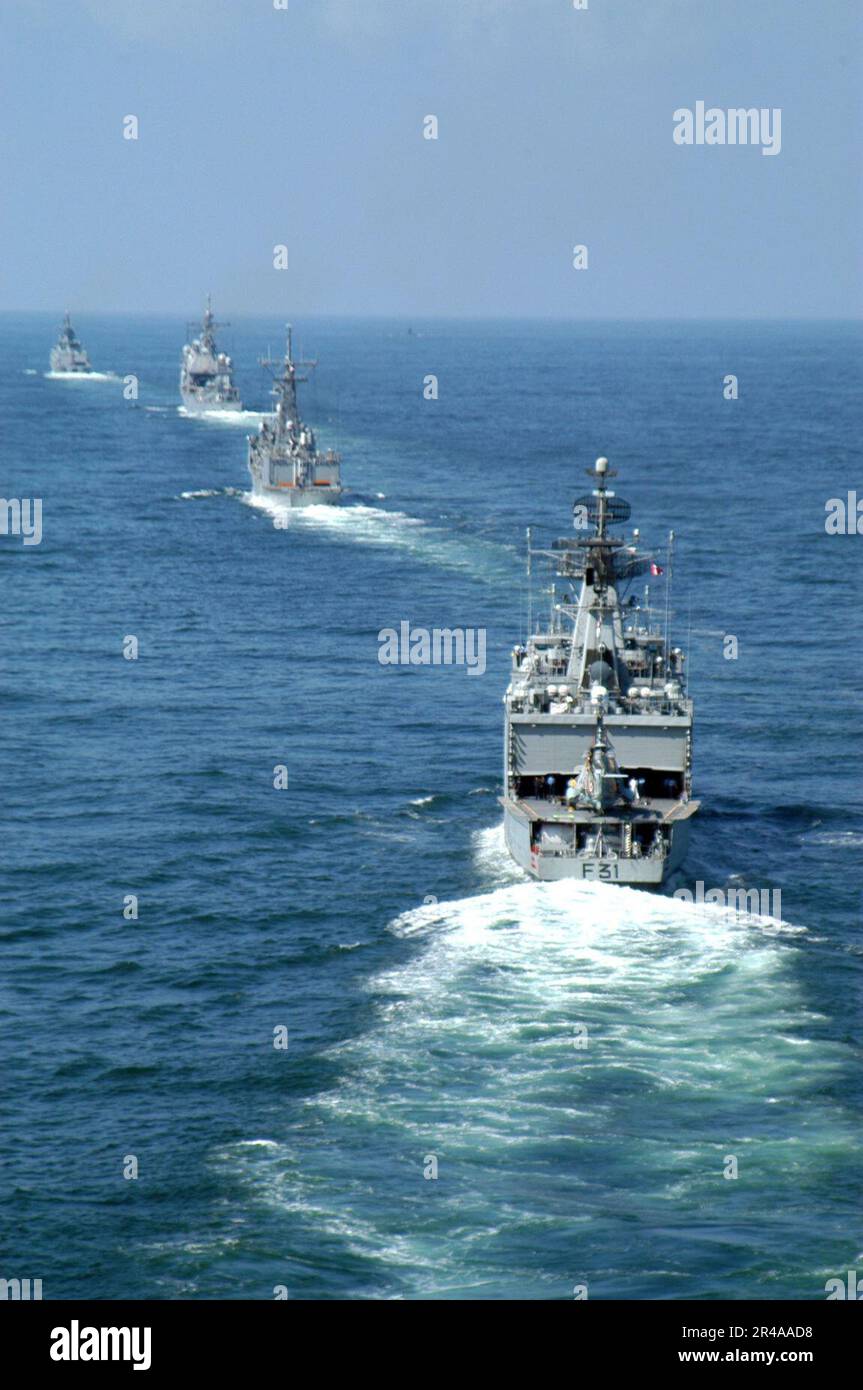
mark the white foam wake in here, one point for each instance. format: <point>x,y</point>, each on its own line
<point>368,525</point>
<point>248,419</point>
<point>570,1053</point>
<point>196,494</point>
<point>843,839</point>
<point>82,376</point>
<point>492,859</point>
<point>365,525</point>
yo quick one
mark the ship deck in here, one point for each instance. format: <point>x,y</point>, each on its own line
<point>669,810</point>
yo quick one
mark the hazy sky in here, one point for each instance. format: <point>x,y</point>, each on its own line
<point>303,126</point>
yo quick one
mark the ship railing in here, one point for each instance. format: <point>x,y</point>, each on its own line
<point>648,705</point>
<point>563,852</point>
<point>521,704</point>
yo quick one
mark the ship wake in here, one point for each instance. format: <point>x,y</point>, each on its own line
<point>198,494</point>
<point>559,1072</point>
<point>81,376</point>
<point>361,524</point>
<point>246,419</point>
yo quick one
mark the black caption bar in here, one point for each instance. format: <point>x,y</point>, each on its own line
<point>161,1339</point>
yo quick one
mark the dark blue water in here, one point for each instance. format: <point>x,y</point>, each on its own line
<point>419,1028</point>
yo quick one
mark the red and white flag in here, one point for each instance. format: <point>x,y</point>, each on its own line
<point>655,568</point>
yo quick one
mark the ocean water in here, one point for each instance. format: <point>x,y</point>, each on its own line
<point>434,998</point>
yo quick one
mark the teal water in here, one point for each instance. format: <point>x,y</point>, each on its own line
<point>433,996</point>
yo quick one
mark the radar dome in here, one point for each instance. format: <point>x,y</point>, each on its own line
<point>601,673</point>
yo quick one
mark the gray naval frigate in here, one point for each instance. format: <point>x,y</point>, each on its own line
<point>206,375</point>
<point>598,738</point>
<point>283,457</point>
<point>68,355</point>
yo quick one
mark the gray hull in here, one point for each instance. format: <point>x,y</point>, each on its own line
<point>546,866</point>
<point>73,363</point>
<point>198,405</point>
<point>298,496</point>
<point>206,374</point>
<point>68,355</point>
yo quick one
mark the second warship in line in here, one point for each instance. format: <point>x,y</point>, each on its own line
<point>598,726</point>
<point>284,460</point>
<point>206,375</point>
<point>68,355</point>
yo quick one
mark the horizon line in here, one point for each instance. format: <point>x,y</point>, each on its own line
<point>464,318</point>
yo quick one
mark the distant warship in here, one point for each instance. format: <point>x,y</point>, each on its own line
<point>206,375</point>
<point>598,736</point>
<point>283,457</point>
<point>68,355</point>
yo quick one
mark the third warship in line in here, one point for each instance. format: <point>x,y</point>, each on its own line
<point>598,725</point>
<point>283,457</point>
<point>68,355</point>
<point>206,375</point>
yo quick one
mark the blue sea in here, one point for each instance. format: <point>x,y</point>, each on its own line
<point>432,995</point>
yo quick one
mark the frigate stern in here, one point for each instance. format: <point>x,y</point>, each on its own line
<point>206,374</point>
<point>68,355</point>
<point>285,463</point>
<point>598,725</point>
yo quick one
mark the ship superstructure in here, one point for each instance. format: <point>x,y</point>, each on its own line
<point>598,725</point>
<point>68,354</point>
<point>207,375</point>
<point>284,460</point>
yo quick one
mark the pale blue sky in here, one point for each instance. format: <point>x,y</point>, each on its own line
<point>260,126</point>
